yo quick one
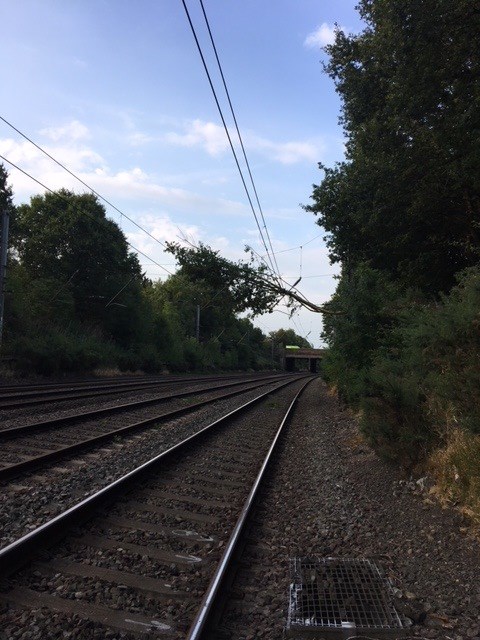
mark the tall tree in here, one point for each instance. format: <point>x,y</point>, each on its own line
<point>407,197</point>
<point>67,238</point>
<point>246,285</point>
<point>6,193</point>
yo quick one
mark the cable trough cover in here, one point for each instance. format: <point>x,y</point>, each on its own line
<point>341,598</point>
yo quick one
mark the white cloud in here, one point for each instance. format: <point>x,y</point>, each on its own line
<point>76,158</point>
<point>164,229</point>
<point>285,152</point>
<point>79,63</point>
<point>132,183</point>
<point>209,135</point>
<point>212,138</point>
<point>323,35</point>
<point>138,139</point>
<point>73,130</point>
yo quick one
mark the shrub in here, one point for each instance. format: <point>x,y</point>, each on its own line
<point>60,351</point>
<point>425,380</point>
<point>456,469</point>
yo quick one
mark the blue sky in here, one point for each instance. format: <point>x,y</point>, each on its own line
<point>115,90</point>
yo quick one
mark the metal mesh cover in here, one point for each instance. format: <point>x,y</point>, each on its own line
<point>334,594</point>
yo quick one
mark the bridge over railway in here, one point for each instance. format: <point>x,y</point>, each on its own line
<point>292,354</point>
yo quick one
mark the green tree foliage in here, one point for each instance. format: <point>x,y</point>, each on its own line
<point>66,238</point>
<point>6,195</point>
<point>77,297</point>
<point>247,286</point>
<point>74,290</point>
<point>225,341</point>
<point>407,198</point>
<point>402,216</point>
<point>368,300</point>
<point>288,336</point>
<point>425,381</point>
<point>240,285</point>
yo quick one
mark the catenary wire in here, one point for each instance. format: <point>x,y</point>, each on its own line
<point>280,278</point>
<point>239,135</point>
<point>82,211</point>
<point>228,134</point>
<point>299,246</point>
<point>80,180</point>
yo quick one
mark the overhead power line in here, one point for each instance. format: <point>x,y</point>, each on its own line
<point>272,264</point>
<point>81,181</point>
<point>300,246</point>
<point>85,213</point>
<point>239,135</point>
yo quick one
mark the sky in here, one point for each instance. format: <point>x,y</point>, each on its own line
<point>116,91</point>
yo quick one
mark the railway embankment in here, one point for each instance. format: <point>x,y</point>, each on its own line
<point>330,495</point>
<point>326,495</point>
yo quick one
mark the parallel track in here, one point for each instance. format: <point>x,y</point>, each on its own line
<point>155,537</point>
<point>53,449</point>
<point>32,395</point>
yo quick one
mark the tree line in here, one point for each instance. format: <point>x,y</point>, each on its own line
<point>402,216</point>
<point>77,300</point>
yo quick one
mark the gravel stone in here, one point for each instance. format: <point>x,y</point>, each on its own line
<point>330,495</point>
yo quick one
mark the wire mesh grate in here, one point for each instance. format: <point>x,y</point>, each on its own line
<point>333,594</point>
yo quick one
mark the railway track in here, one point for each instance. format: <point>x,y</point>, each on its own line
<point>34,395</point>
<point>28,446</point>
<point>146,547</point>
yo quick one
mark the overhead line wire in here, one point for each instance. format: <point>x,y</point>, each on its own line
<point>239,135</point>
<point>299,246</point>
<point>80,180</point>
<point>227,132</point>
<point>81,210</point>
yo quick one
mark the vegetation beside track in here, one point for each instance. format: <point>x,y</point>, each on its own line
<point>77,300</point>
<point>402,216</point>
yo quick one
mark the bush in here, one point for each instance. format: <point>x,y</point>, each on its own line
<point>393,417</point>
<point>425,381</point>
<point>366,302</point>
<point>456,469</point>
<point>60,351</point>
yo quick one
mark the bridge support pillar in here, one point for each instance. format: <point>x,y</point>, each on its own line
<point>289,364</point>
<point>313,365</point>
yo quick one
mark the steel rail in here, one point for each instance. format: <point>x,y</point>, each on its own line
<point>208,603</point>
<point>21,551</point>
<point>31,398</point>
<point>76,382</point>
<point>29,464</point>
<point>35,427</point>
<point>99,382</point>
<point>34,390</point>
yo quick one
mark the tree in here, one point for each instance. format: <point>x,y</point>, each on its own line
<point>288,336</point>
<point>67,239</point>
<point>225,341</point>
<point>407,198</point>
<point>6,208</point>
<point>245,286</point>
<point>6,193</point>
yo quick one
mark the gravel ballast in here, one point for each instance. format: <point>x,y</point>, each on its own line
<point>219,469</point>
<point>31,500</point>
<point>331,496</point>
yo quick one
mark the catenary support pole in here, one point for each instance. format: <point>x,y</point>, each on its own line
<point>197,324</point>
<point>3,264</point>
